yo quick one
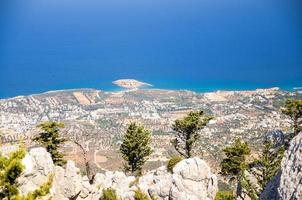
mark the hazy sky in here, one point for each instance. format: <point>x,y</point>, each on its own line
<point>53,44</point>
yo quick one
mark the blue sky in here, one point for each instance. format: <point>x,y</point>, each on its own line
<point>57,44</point>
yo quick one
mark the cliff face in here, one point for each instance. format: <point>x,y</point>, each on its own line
<point>191,179</point>
<point>287,184</point>
<point>291,177</point>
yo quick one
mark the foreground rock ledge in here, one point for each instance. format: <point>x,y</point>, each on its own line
<point>191,180</point>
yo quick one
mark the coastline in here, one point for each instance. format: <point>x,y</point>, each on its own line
<point>117,89</point>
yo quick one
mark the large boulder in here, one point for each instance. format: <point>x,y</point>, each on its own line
<point>191,180</point>
<point>38,165</point>
<point>117,180</point>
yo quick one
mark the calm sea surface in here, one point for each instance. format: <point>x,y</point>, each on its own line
<point>200,45</point>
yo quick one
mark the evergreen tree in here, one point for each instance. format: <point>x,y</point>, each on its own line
<point>51,140</point>
<point>235,161</point>
<point>293,109</point>
<point>263,169</point>
<point>235,164</point>
<point>135,147</point>
<point>11,168</point>
<point>269,162</point>
<point>187,132</point>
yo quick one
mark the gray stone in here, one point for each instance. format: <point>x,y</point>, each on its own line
<point>191,180</point>
<point>291,177</point>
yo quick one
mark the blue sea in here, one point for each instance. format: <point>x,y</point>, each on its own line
<point>199,45</point>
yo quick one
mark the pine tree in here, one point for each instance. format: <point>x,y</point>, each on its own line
<point>293,109</point>
<point>187,132</point>
<point>269,162</point>
<point>235,161</point>
<point>51,140</point>
<point>235,164</point>
<point>136,147</point>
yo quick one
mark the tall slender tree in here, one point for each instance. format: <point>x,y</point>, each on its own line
<point>293,109</point>
<point>136,147</point>
<point>234,165</point>
<point>187,132</point>
<point>51,140</point>
<point>269,162</point>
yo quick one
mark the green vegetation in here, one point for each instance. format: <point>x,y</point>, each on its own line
<point>250,189</point>
<point>51,140</point>
<point>225,195</point>
<point>134,183</point>
<point>136,147</point>
<point>11,168</point>
<point>267,166</point>
<point>235,161</point>
<point>139,195</point>
<point>42,191</point>
<point>293,109</point>
<point>269,163</point>
<point>187,132</point>
<point>109,194</point>
<point>172,162</point>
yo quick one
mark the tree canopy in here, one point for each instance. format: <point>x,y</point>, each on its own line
<point>136,147</point>
<point>293,109</point>
<point>187,132</point>
<point>235,160</point>
<point>51,140</point>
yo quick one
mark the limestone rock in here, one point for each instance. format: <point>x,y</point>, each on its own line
<point>287,184</point>
<point>191,180</point>
<point>270,192</point>
<point>291,177</point>
<point>38,165</point>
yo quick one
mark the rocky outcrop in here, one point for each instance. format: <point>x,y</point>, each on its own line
<point>287,184</point>
<point>291,177</point>
<point>270,192</point>
<point>191,180</point>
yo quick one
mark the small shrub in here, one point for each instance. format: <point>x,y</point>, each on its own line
<point>109,194</point>
<point>134,183</point>
<point>139,195</point>
<point>225,195</point>
<point>172,162</point>
<point>42,191</point>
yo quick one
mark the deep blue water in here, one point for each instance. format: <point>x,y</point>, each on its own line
<point>201,45</point>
